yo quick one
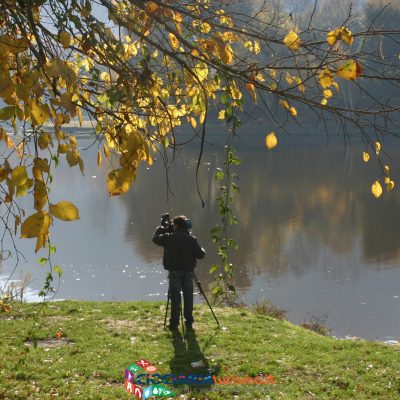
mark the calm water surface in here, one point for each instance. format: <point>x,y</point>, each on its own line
<point>311,238</point>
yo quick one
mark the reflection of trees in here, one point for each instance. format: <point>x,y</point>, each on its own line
<point>293,204</point>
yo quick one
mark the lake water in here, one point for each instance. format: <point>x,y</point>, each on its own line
<point>311,237</point>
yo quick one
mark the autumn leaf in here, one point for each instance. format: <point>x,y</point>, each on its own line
<point>342,33</point>
<point>64,210</point>
<point>7,113</point>
<point>40,113</point>
<point>151,7</point>
<point>44,140</point>
<point>73,158</point>
<point>251,88</point>
<point>365,156</point>
<point>292,41</point>
<point>65,39</point>
<point>378,148</point>
<point>376,189</point>
<point>350,70</point>
<point>346,36</point>
<point>222,114</point>
<point>193,122</point>
<point>119,181</point>
<point>271,141</point>
<point>390,186</point>
<point>386,170</point>
<point>36,224</point>
<point>173,40</point>
<point>106,151</point>
<point>99,158</point>
<point>22,190</point>
<point>293,111</point>
<point>19,175</point>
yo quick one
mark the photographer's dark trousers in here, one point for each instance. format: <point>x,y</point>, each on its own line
<point>181,281</point>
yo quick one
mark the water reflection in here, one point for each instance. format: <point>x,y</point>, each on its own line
<point>311,236</point>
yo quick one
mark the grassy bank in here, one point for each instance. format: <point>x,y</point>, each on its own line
<point>100,339</point>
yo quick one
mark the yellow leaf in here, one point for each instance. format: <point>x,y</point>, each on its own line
<point>66,100</point>
<point>221,114</point>
<point>201,70</point>
<point>17,222</point>
<point>324,102</point>
<point>22,190</point>
<point>292,41</point>
<point>350,70</point>
<point>105,76</point>
<point>234,91</point>
<point>173,40</point>
<point>41,164</point>
<point>342,33</point>
<point>3,174</point>
<point>386,170</point>
<point>378,148</point>
<point>119,181</point>
<point>326,78</point>
<point>73,158</point>
<point>106,151</point>
<point>390,186</point>
<point>289,79</point>
<point>365,156</point>
<point>81,165</point>
<point>333,36</point>
<point>7,113</point>
<point>65,39</point>
<point>251,88</point>
<point>44,140</point>
<point>65,211</point>
<point>98,157</point>
<point>376,189</point>
<point>19,175</point>
<point>40,113</point>
<point>205,27</point>
<point>346,36</point>
<point>36,224</point>
<point>9,142</point>
<point>271,141</point>
<point>328,93</point>
<point>151,7</point>
<point>284,104</point>
<point>293,111</point>
<point>40,195</point>
<point>193,122</point>
<point>226,54</point>
<point>63,148</point>
<point>387,180</point>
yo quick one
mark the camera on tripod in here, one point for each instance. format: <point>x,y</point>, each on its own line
<point>168,225</point>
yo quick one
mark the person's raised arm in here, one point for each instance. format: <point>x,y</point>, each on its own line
<point>159,236</point>
<point>199,252</point>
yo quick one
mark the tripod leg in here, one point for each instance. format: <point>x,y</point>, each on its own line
<point>182,312</point>
<point>198,283</point>
<point>166,310</point>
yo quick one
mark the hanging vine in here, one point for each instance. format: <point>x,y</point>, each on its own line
<point>224,290</point>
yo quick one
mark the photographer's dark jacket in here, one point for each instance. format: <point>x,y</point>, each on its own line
<point>181,249</point>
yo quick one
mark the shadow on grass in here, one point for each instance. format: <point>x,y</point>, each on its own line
<point>186,352</point>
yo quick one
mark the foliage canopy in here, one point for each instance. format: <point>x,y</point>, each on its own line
<point>139,69</point>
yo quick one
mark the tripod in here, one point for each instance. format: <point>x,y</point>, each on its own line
<point>198,283</point>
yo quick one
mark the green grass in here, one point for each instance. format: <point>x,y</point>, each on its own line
<point>102,339</point>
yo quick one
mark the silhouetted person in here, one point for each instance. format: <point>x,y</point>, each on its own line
<point>181,250</point>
